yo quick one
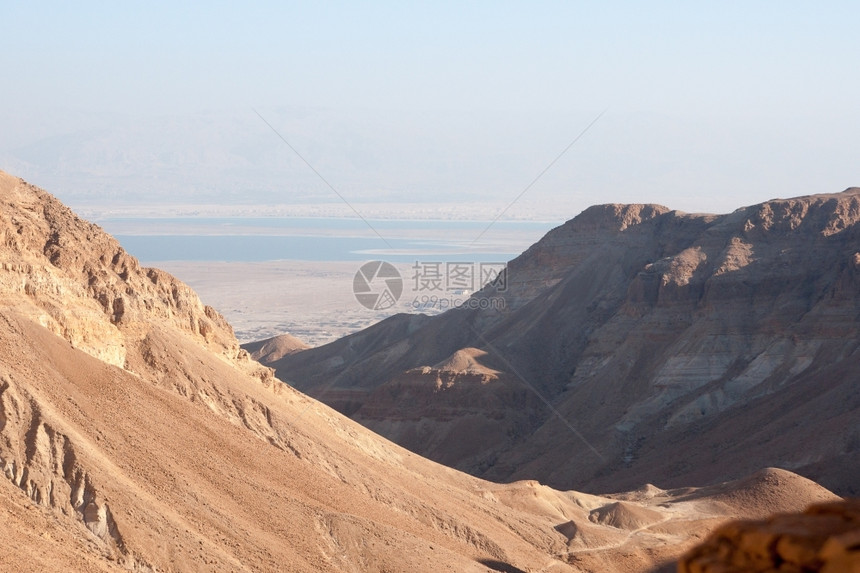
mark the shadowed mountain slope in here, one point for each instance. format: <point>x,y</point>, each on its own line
<point>635,344</point>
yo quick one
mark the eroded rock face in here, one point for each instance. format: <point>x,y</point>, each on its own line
<point>82,285</point>
<point>823,538</point>
<point>665,347</point>
<point>45,465</point>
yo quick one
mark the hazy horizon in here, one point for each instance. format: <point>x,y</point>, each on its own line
<point>424,108</point>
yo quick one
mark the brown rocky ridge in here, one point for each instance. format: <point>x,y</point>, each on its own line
<point>825,537</point>
<point>136,435</point>
<point>635,344</point>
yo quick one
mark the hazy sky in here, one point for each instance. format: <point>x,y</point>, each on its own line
<point>709,105</point>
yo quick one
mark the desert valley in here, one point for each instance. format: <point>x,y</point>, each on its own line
<point>653,377</point>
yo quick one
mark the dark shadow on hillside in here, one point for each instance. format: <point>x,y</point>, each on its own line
<point>500,566</point>
<point>670,567</point>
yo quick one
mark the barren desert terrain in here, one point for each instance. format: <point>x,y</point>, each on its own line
<point>135,434</point>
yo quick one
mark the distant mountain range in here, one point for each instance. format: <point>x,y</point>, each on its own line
<point>234,157</point>
<point>635,343</point>
<point>487,157</point>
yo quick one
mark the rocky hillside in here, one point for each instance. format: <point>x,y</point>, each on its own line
<point>635,344</point>
<point>79,283</point>
<point>136,435</point>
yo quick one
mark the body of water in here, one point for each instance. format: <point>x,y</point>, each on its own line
<point>322,239</point>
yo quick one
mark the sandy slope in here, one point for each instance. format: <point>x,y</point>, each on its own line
<point>174,452</point>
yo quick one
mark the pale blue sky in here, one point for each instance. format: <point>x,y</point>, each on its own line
<point>743,101</point>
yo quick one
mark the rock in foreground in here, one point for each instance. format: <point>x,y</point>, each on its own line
<point>825,538</point>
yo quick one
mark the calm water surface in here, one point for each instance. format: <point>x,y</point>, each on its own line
<point>322,239</point>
